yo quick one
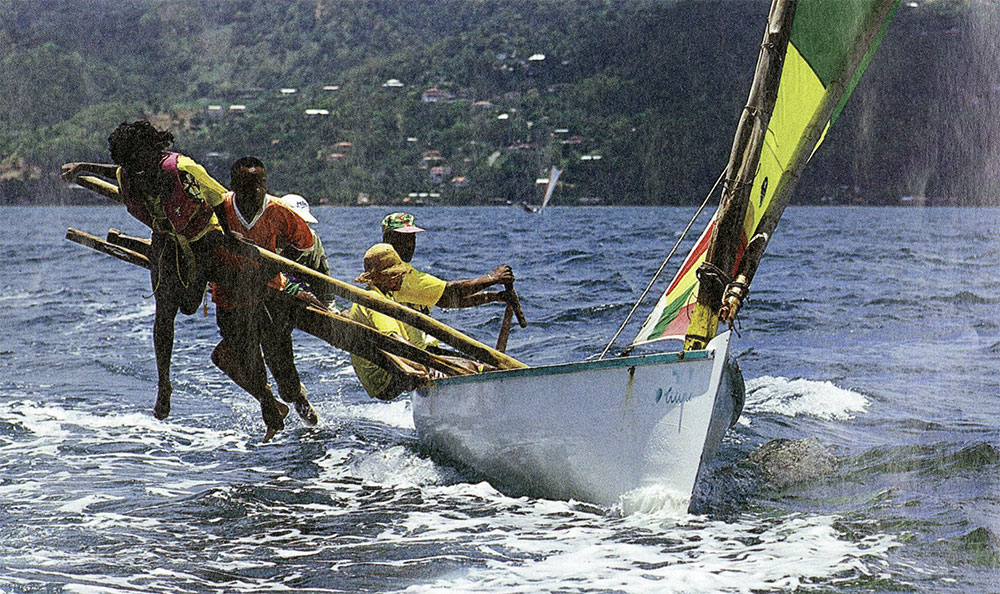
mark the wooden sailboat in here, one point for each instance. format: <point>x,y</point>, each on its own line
<point>607,430</point>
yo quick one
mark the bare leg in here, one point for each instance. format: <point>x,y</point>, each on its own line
<point>238,356</point>
<point>276,343</point>
<point>271,410</point>
<point>163,345</point>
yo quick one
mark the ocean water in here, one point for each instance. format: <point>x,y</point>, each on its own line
<point>872,338</point>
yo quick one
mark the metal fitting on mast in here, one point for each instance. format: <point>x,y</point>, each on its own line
<point>736,293</point>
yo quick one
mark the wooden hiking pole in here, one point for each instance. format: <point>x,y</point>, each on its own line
<point>513,309</point>
<point>337,330</point>
<point>508,316</point>
<point>446,334</point>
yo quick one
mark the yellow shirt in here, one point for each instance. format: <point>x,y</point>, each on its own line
<point>419,291</point>
<point>374,378</point>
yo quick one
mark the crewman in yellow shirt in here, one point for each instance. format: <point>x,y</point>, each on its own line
<point>388,272</point>
<point>383,275</point>
<point>422,291</point>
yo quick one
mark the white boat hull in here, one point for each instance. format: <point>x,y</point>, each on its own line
<point>591,431</point>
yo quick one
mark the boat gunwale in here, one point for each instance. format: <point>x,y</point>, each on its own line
<point>563,368</point>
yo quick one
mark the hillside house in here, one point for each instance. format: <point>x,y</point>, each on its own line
<point>438,174</point>
<point>432,156</point>
<point>436,95</point>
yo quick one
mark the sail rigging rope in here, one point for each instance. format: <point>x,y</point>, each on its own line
<point>662,266</point>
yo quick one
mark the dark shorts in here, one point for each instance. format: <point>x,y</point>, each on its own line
<point>181,278</point>
<point>256,330</point>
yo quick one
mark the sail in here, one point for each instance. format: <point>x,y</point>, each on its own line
<point>829,49</point>
<point>553,178</point>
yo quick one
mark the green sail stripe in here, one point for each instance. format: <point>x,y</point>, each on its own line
<point>825,30</point>
<point>863,65</point>
<point>668,315</point>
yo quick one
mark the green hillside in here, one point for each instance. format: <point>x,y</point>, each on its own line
<point>635,99</point>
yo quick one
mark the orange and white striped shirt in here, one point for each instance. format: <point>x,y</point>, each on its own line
<point>273,228</point>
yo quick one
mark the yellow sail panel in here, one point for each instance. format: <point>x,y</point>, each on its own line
<point>800,94</point>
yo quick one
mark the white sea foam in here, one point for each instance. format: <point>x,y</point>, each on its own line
<point>81,458</point>
<point>502,543</point>
<point>144,310</point>
<point>802,397</point>
<point>52,424</point>
<point>395,414</point>
<point>81,504</point>
<point>654,499</point>
<point>396,466</point>
<point>643,553</point>
<point>93,589</point>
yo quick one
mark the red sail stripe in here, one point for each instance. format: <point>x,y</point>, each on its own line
<point>696,252</point>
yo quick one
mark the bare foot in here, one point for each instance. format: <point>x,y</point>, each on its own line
<point>305,410</point>
<point>161,409</point>
<point>274,414</point>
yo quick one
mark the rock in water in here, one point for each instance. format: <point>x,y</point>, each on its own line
<point>786,461</point>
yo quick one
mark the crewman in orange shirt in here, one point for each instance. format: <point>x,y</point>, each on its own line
<point>257,331</point>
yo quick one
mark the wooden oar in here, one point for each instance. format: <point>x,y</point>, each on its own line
<point>508,316</point>
<point>333,328</point>
<point>515,303</point>
<point>139,258</point>
<point>442,332</point>
<point>513,308</point>
<point>96,184</point>
<point>136,244</point>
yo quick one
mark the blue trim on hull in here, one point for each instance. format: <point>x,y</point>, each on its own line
<point>654,359</point>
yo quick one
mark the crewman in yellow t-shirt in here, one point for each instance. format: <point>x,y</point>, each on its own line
<point>388,273</point>
<point>422,291</point>
<point>383,274</point>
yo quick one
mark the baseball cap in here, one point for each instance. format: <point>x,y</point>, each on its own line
<point>400,222</point>
<point>299,205</point>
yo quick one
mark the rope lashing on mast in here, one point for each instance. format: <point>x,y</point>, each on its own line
<point>709,274</point>
<point>737,185</point>
<point>738,289</point>
<point>660,271</point>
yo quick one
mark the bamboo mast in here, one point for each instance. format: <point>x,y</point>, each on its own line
<point>724,245</point>
<point>442,332</point>
<point>867,35</point>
